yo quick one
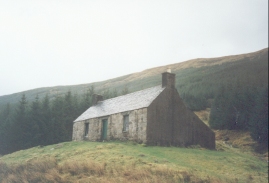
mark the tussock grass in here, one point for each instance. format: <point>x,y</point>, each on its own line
<point>128,162</point>
<point>48,170</point>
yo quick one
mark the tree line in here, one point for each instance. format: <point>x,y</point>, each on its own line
<point>242,109</point>
<point>198,86</point>
<point>41,122</point>
<point>236,92</point>
<point>239,102</point>
<point>44,121</point>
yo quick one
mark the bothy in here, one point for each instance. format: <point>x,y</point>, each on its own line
<point>154,116</point>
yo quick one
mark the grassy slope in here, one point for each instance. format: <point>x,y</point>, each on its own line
<point>233,161</point>
<point>126,161</point>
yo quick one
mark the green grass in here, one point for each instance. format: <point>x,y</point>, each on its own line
<point>171,163</point>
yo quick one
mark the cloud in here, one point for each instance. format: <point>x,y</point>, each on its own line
<point>47,43</point>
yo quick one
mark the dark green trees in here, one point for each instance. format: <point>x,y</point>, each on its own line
<point>242,109</point>
<point>86,101</point>
<point>5,129</point>
<point>42,122</point>
<point>222,114</point>
<point>20,134</point>
<point>46,122</point>
<point>35,124</point>
<point>57,119</point>
<point>259,119</point>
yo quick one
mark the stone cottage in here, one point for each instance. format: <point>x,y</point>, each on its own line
<point>154,116</point>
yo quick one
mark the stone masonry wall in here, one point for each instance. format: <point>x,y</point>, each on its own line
<point>136,132</point>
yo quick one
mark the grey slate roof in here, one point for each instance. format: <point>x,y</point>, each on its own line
<point>131,101</point>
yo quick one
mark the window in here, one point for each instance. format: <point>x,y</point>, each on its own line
<point>86,129</point>
<point>125,123</point>
<point>104,129</point>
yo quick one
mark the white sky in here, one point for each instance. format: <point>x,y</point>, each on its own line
<point>66,42</point>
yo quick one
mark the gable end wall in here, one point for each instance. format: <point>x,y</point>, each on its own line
<point>161,119</point>
<point>189,129</point>
<point>170,122</point>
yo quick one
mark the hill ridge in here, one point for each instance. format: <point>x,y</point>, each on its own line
<point>152,74</point>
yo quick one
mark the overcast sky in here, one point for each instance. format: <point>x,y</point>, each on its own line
<point>66,42</point>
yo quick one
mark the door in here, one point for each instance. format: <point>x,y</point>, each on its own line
<point>104,129</point>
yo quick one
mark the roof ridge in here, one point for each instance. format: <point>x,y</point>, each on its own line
<point>130,93</point>
<point>131,101</point>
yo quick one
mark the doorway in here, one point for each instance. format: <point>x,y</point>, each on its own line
<point>104,129</point>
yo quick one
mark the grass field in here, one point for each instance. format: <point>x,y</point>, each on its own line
<point>130,162</point>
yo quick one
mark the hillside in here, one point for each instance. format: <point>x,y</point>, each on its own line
<point>131,162</point>
<point>230,94</point>
<point>189,74</point>
<point>235,88</point>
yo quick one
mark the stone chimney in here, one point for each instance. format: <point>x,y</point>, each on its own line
<point>96,98</point>
<point>168,79</point>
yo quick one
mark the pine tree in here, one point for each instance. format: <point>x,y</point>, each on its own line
<point>46,121</point>
<point>35,123</point>
<point>243,105</point>
<point>5,130</point>
<point>76,106</point>
<point>20,131</point>
<point>87,99</point>
<point>57,120</point>
<point>223,113</point>
<point>69,111</point>
<point>259,121</point>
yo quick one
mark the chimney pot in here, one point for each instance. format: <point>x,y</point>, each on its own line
<point>169,70</point>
